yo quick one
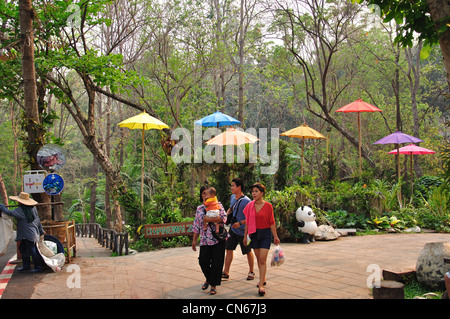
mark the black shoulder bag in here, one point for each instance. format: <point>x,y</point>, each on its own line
<point>232,220</point>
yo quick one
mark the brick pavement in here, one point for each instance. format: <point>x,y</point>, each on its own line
<point>322,270</point>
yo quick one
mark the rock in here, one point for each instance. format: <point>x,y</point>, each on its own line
<point>430,295</point>
<point>325,232</point>
<point>430,266</point>
<point>342,233</point>
<point>415,229</point>
<point>346,231</point>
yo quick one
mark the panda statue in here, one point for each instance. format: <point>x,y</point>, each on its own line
<point>306,222</point>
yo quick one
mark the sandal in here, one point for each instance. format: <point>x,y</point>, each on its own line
<point>205,286</point>
<point>225,276</point>
<point>265,282</point>
<point>261,291</point>
<point>213,291</point>
<point>251,276</point>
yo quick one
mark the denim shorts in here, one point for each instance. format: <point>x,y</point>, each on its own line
<point>261,239</point>
<point>234,239</point>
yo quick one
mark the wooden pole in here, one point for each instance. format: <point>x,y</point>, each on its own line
<point>142,175</point>
<point>303,144</point>
<point>411,172</point>
<point>398,176</point>
<point>359,133</point>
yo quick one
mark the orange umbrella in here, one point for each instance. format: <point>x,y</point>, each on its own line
<point>233,137</point>
<point>359,106</point>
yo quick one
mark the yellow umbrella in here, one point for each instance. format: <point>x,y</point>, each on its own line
<point>143,122</point>
<point>303,131</point>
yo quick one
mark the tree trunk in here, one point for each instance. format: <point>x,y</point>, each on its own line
<point>440,13</point>
<point>31,121</point>
<point>17,168</point>
<point>413,74</point>
<point>109,215</point>
<point>93,186</point>
<point>240,64</point>
<point>3,193</point>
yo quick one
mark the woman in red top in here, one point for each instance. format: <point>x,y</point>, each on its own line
<point>260,227</point>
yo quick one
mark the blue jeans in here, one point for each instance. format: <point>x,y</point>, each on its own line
<point>28,249</point>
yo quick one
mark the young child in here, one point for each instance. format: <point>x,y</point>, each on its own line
<point>212,207</point>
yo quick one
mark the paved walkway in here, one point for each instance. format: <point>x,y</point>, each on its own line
<point>322,270</point>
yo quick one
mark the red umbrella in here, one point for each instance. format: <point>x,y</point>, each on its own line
<point>412,149</point>
<point>359,106</point>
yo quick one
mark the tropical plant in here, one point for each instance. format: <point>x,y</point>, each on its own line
<point>386,222</point>
<point>343,219</point>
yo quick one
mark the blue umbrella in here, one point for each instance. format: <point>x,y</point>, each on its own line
<point>217,119</point>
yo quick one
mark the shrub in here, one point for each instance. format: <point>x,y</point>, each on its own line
<point>343,219</point>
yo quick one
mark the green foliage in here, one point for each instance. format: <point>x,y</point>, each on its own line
<point>343,219</point>
<point>414,288</point>
<point>386,222</point>
<point>413,17</point>
<point>438,203</point>
<point>180,75</point>
<point>445,156</point>
<point>361,206</point>
<point>281,177</point>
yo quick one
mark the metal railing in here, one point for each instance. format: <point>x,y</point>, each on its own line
<point>108,238</point>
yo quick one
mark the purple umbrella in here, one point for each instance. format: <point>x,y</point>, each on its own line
<point>398,138</point>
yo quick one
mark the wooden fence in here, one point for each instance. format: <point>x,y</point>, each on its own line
<point>108,238</point>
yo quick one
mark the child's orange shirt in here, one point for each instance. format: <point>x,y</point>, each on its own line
<point>212,204</point>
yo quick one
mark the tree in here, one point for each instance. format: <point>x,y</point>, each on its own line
<point>429,18</point>
<point>31,121</point>
<point>238,31</point>
<point>65,56</point>
<point>77,60</point>
<point>325,27</point>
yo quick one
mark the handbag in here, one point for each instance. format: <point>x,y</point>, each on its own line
<point>221,235</point>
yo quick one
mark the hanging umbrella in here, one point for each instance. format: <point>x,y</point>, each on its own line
<point>411,150</point>
<point>303,131</point>
<point>217,119</point>
<point>398,138</point>
<point>359,106</point>
<point>233,137</point>
<point>143,122</point>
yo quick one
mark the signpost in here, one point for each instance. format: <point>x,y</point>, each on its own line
<point>168,230</point>
<point>33,181</point>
